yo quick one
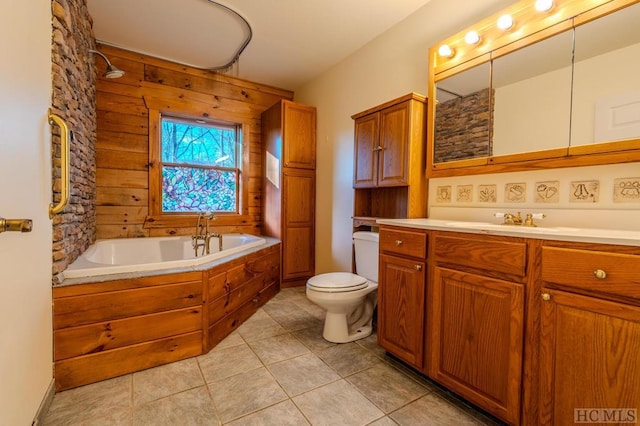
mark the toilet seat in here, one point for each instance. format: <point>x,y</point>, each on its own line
<point>337,282</point>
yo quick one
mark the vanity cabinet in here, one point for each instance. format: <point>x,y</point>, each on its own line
<point>401,293</point>
<point>289,191</point>
<point>389,167</point>
<point>589,332</point>
<point>476,322</point>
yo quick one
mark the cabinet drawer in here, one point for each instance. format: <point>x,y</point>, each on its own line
<point>619,273</point>
<point>407,243</point>
<point>485,254</point>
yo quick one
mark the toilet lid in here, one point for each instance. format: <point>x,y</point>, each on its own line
<point>335,282</point>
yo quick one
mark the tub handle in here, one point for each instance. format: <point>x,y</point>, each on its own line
<point>64,164</point>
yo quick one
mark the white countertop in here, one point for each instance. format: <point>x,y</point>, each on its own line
<point>557,233</point>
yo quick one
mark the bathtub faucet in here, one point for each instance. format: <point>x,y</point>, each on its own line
<point>202,235</point>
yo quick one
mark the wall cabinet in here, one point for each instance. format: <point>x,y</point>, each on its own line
<point>401,294</point>
<point>589,335</point>
<point>389,172</point>
<point>289,133</point>
<point>528,330</point>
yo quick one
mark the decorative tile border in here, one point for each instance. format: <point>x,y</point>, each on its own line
<point>464,193</point>
<point>584,191</point>
<point>443,194</point>
<point>626,190</point>
<point>547,192</point>
<point>515,193</point>
<point>487,193</point>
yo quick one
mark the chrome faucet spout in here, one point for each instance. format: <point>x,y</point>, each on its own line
<point>202,236</point>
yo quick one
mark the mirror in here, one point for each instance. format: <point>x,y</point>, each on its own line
<point>463,113</point>
<point>549,106</point>
<point>532,97</point>
<point>607,79</point>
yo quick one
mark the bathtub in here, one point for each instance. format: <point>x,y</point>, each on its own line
<point>118,256</point>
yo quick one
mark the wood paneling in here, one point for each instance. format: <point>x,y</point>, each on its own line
<point>123,135</point>
<point>106,329</point>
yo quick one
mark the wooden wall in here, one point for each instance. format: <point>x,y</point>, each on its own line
<point>122,146</point>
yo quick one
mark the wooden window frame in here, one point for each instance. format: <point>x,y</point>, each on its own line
<point>159,219</point>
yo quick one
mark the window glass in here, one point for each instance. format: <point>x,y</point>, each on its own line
<point>199,166</point>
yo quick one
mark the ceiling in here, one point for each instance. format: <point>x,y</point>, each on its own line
<point>292,41</point>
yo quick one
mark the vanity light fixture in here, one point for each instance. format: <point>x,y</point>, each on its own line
<point>472,37</point>
<point>446,51</point>
<point>505,22</point>
<point>544,5</point>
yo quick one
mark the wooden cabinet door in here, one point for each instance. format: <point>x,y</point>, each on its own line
<point>589,359</point>
<point>394,138</point>
<point>477,340</point>
<point>298,251</point>
<point>401,301</point>
<point>299,136</point>
<point>365,167</point>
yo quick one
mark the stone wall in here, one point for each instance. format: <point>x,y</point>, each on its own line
<point>462,127</point>
<point>73,98</point>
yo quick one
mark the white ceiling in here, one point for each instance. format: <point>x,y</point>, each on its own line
<point>293,41</point>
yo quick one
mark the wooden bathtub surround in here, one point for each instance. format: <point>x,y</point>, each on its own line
<point>523,328</point>
<point>107,329</point>
<point>127,109</point>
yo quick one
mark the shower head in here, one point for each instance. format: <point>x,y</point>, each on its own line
<point>112,71</point>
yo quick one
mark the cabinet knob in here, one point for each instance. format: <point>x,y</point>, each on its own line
<point>546,297</point>
<point>399,243</point>
<point>600,274</point>
<point>417,267</point>
<point>377,148</point>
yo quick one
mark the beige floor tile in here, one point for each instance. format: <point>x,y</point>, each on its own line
<point>348,358</point>
<point>386,387</point>
<point>282,308</point>
<point>245,393</point>
<point>337,403</point>
<point>282,414</point>
<point>260,328</point>
<point>234,339</point>
<point>192,407</point>
<point>371,343</point>
<point>278,348</point>
<point>109,400</point>
<point>223,363</point>
<point>158,382</point>
<point>299,321</point>
<point>385,421</point>
<point>312,338</point>
<point>301,374</point>
<point>432,410</point>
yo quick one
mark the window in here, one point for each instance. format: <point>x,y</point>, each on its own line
<point>199,165</point>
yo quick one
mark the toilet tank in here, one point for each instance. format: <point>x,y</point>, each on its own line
<point>366,248</point>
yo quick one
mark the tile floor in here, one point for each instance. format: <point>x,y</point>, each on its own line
<point>274,370</point>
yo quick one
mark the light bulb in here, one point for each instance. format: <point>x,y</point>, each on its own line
<point>505,22</point>
<point>472,37</point>
<point>544,5</point>
<point>445,51</point>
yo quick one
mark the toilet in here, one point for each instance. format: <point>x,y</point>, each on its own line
<point>349,299</point>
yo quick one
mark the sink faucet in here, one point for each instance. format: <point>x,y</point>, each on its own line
<point>202,236</point>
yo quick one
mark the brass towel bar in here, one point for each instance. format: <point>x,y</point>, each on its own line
<point>64,165</point>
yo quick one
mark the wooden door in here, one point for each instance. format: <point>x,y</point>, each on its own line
<point>298,251</point>
<point>589,359</point>
<point>477,340</point>
<point>401,308</point>
<point>394,138</point>
<point>365,167</point>
<point>299,135</point>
